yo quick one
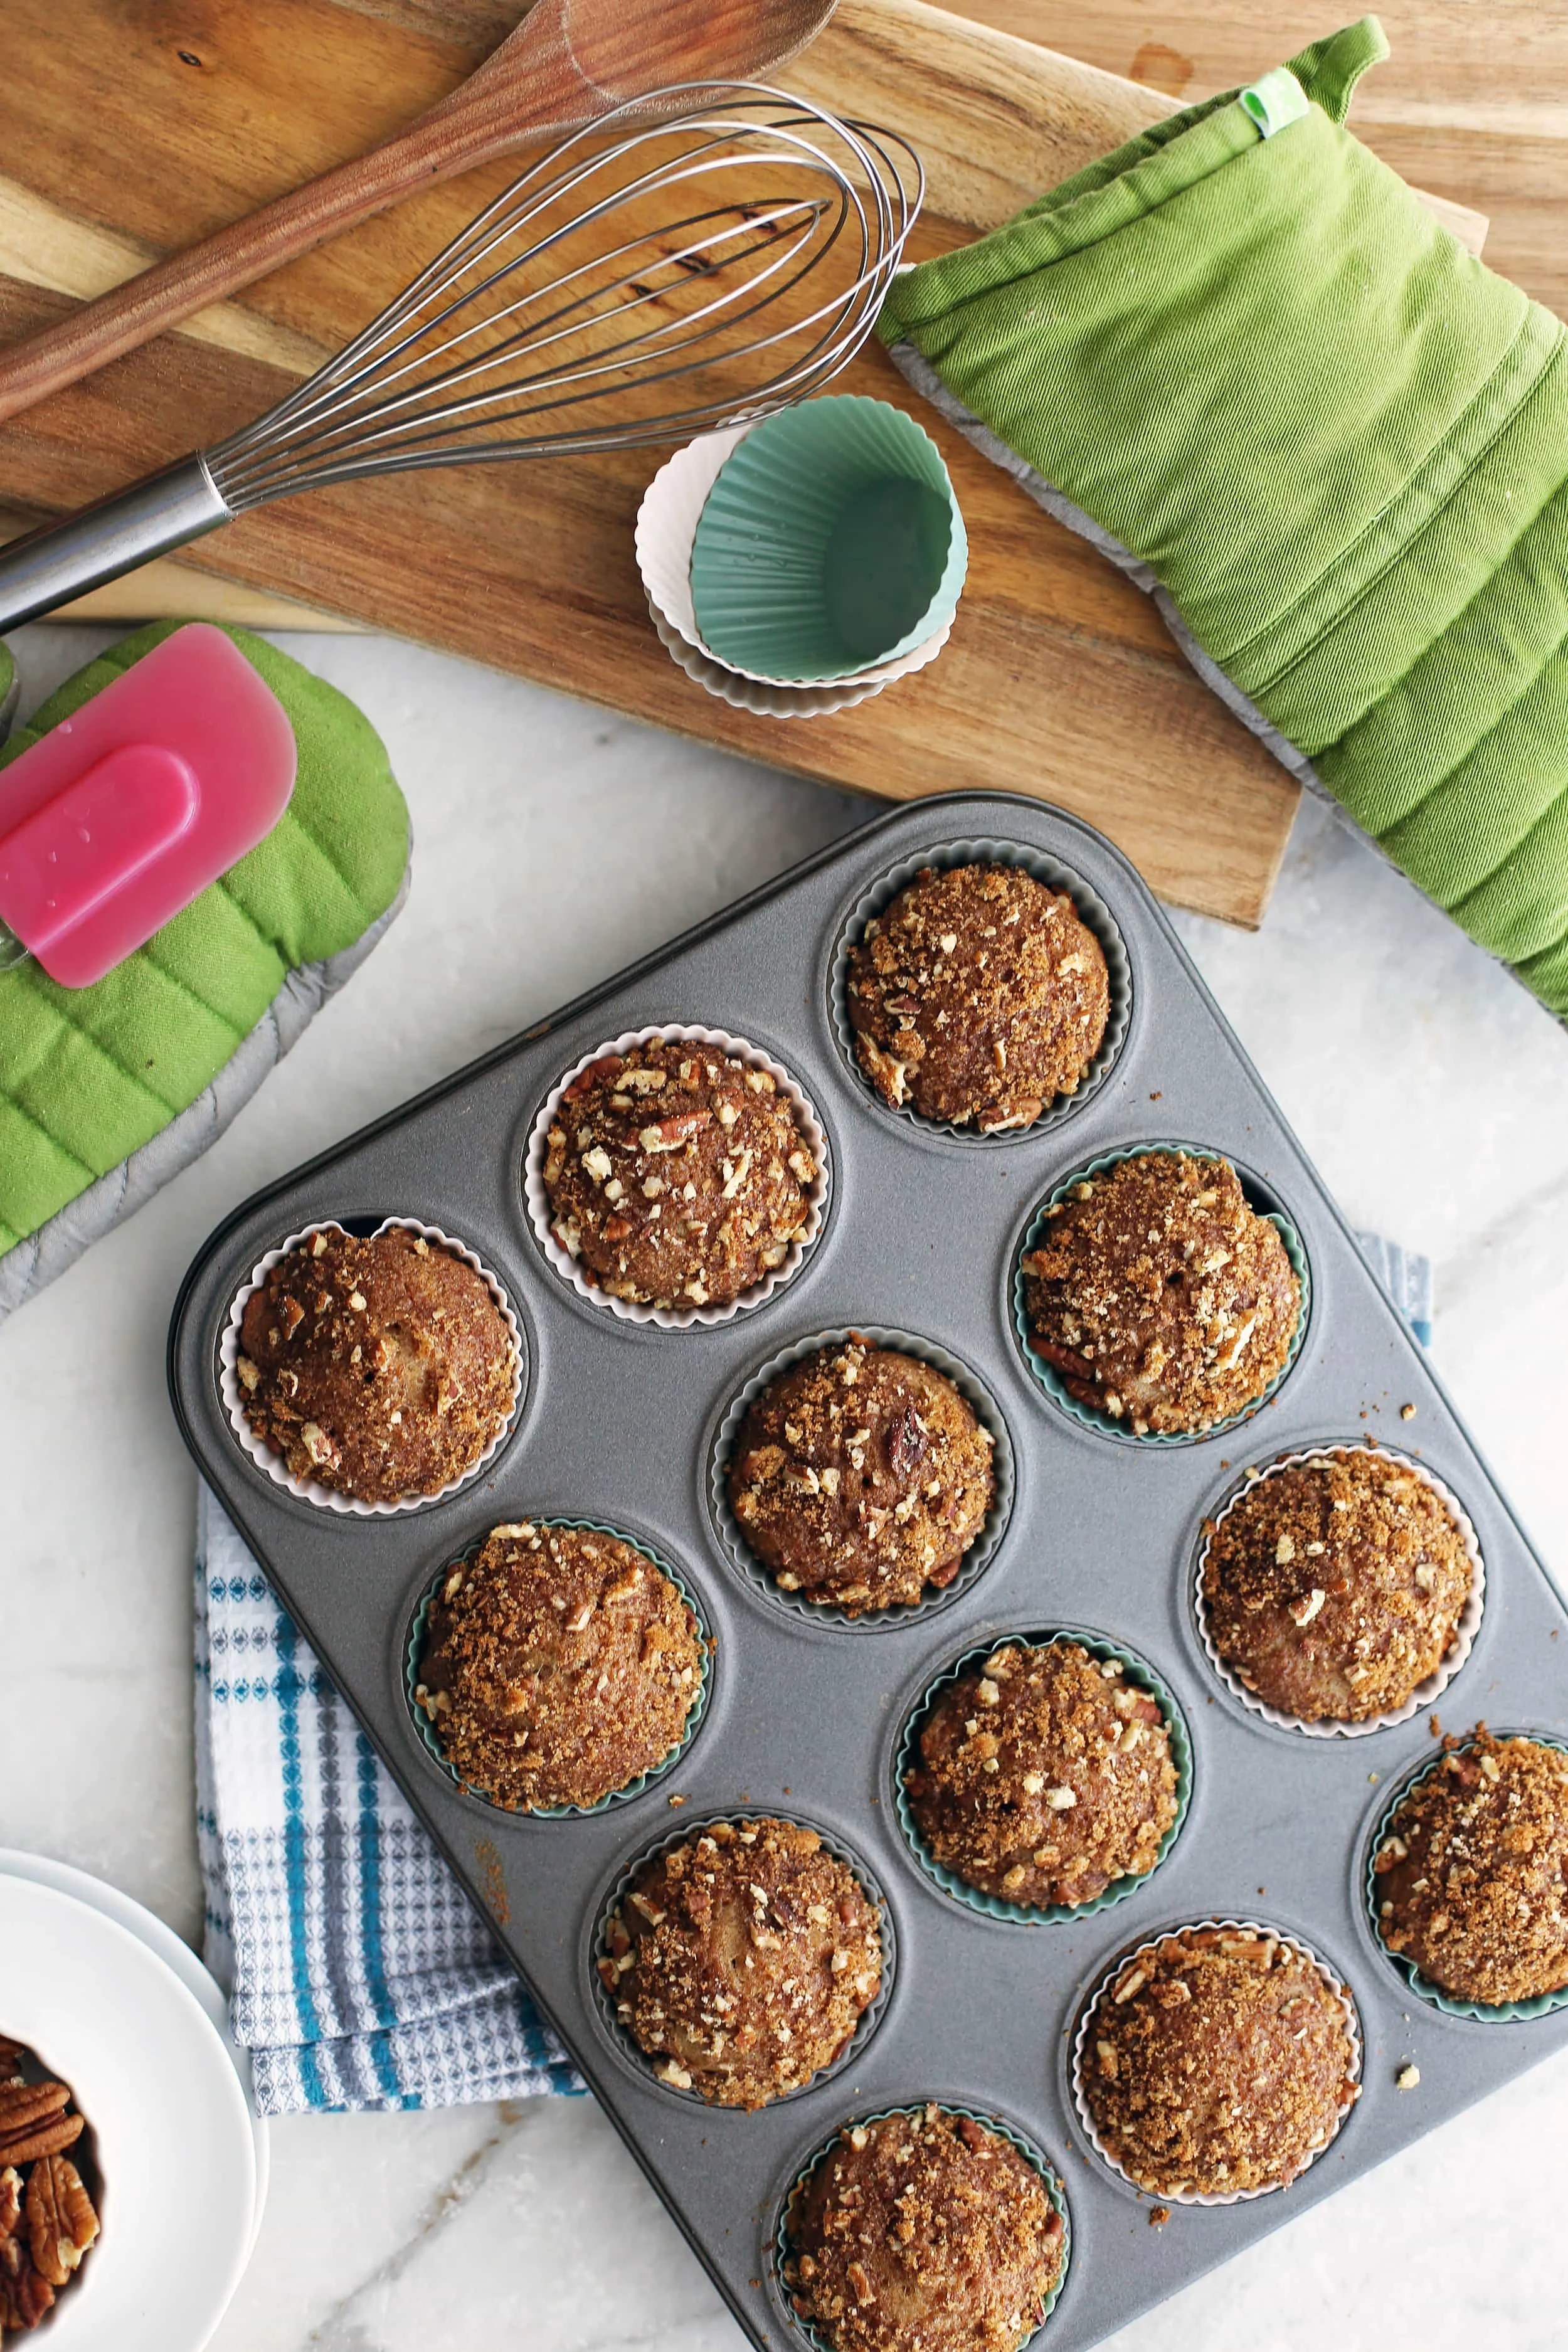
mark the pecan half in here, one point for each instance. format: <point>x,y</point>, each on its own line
<point>24,2299</point>
<point>61,2224</point>
<point>51,2138</point>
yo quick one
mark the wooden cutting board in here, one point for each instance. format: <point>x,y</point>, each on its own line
<point>147,126</point>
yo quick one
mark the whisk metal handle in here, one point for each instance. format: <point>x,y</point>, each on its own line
<point>63,560</point>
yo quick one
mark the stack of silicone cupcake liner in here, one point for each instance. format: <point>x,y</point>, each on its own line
<point>1479,2013</point>
<point>975,1560</point>
<point>1298,1944</point>
<point>1032,2156</point>
<point>624,1423</point>
<point>1092,912</point>
<point>673,1318</point>
<point>601,1913</point>
<point>1050,1379</point>
<point>414,1650</point>
<point>269,1462</point>
<point>1140,1675</point>
<point>1427,1692</point>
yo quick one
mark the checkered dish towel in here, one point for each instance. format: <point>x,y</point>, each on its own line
<point>359,1973</point>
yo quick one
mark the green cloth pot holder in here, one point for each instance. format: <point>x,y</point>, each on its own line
<point>1243,358</point>
<point>106,1092</point>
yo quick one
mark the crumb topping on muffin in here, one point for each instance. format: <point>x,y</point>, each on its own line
<point>922,2232</point>
<point>977,995</point>
<point>1160,1296</point>
<point>560,1664</point>
<point>1218,2059</point>
<point>676,1176</point>
<point>1334,1588</point>
<point>1043,1776</point>
<point>380,1368</point>
<point>1472,1873</point>
<point>860,1476</point>
<point>742,1961</point>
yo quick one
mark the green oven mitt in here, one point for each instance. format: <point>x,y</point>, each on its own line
<point>106,1092</point>
<point>1247,361</point>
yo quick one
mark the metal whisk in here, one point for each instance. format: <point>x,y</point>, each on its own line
<point>629,289</point>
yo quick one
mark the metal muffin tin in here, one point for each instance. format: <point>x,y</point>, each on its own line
<point>618,1423</point>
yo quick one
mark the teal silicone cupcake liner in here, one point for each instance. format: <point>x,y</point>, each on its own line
<point>830,543</point>
<point>870,2016</point>
<point>415,1646</point>
<point>1138,1672</point>
<point>1092,911</point>
<point>975,1560</point>
<point>1037,2162</point>
<point>1506,2012</point>
<point>1090,1416</point>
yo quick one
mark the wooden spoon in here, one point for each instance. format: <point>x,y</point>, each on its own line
<point>568,62</point>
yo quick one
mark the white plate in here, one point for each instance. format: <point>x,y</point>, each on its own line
<point>174,1952</point>
<point>173,2127</point>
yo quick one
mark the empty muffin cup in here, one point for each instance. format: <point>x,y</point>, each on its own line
<point>830,543</point>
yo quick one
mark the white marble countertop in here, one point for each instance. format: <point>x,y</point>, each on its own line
<point>555,842</point>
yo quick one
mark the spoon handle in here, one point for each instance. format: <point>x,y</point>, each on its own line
<point>487,116</point>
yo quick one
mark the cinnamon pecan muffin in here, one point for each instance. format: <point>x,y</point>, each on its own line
<point>1043,1776</point>
<point>1159,1297</point>
<point>977,996</point>
<point>1334,1588</point>
<point>1218,2059</point>
<point>860,1476</point>
<point>922,2232</point>
<point>380,1368</point>
<point>742,1961</point>
<point>559,1665</point>
<point>1472,1873</point>
<point>677,1175</point>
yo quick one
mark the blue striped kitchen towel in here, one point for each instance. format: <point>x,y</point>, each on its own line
<point>358,1972</point>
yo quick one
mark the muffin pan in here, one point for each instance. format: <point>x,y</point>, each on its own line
<point>618,1423</point>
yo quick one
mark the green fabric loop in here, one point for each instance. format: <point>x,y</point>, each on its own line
<point>88,1075</point>
<point>1338,442</point>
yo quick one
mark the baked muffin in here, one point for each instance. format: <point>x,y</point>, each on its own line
<point>677,1175</point>
<point>922,2234</point>
<point>1472,1874</point>
<point>1218,2059</point>
<point>1159,1297</point>
<point>559,1665</point>
<point>1043,1775</point>
<point>859,1476</point>
<point>742,1962</point>
<point>1333,1588</point>
<point>977,996</point>
<point>380,1367</point>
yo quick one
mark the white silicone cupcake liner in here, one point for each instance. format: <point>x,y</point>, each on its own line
<point>1426,1694</point>
<point>665,530</point>
<point>1093,911</point>
<point>1476,2013</point>
<point>413,1650</point>
<point>668,1318</point>
<point>686,1834</point>
<point>272,1465</point>
<point>989,2121</point>
<point>1141,1676</point>
<point>782,701</point>
<point>1090,1416</point>
<point>975,1560</point>
<point>1330,1977</point>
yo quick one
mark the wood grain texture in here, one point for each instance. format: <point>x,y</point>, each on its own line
<point>1060,679</point>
